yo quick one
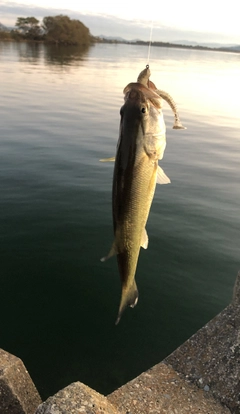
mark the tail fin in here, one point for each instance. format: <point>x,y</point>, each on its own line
<point>129,298</point>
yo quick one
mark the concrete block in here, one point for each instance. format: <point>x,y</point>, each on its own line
<point>77,398</point>
<point>18,394</point>
<point>161,390</point>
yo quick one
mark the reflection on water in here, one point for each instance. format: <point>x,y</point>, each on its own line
<point>65,55</point>
<point>52,54</point>
<point>29,52</point>
<point>59,114</point>
<point>208,81</point>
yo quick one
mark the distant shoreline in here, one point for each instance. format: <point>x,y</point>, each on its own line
<point>137,43</point>
<point>173,45</point>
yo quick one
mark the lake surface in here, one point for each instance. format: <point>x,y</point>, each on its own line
<point>59,114</point>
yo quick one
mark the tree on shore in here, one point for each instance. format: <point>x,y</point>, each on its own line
<point>54,29</point>
<point>63,30</point>
<point>29,27</point>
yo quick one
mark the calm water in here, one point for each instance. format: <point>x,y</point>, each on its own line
<point>59,114</point>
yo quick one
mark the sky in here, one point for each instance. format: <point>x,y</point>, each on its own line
<point>208,21</point>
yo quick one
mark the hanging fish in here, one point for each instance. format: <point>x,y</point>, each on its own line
<point>141,144</point>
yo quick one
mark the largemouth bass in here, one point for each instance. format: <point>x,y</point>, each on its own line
<point>142,141</point>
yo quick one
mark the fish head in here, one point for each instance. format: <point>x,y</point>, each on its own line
<point>142,122</point>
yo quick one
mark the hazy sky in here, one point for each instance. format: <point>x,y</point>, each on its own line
<point>207,20</point>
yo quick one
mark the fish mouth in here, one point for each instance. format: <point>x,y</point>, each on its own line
<point>136,92</point>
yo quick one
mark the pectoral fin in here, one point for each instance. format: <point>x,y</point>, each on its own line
<point>107,159</point>
<point>144,241</point>
<point>162,178</point>
<point>112,252</point>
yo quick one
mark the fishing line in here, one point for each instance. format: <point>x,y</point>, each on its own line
<point>150,42</point>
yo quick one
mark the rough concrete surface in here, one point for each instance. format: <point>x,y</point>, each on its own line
<point>211,357</point>
<point>18,394</point>
<point>77,398</point>
<point>161,390</point>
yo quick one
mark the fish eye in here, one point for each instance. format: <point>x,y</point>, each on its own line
<point>143,110</point>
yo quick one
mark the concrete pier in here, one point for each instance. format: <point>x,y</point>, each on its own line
<point>210,359</point>
<point>163,390</point>
<point>201,376</point>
